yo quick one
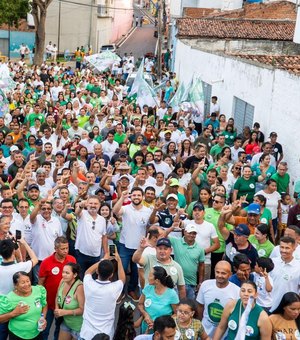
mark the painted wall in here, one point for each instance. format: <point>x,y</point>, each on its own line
<point>122,18</point>
<point>77,24</point>
<point>16,39</point>
<point>276,109</point>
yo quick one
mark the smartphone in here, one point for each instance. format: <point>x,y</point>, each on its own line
<point>18,235</point>
<point>112,250</point>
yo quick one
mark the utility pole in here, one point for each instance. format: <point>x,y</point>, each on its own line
<point>160,40</point>
<point>59,26</point>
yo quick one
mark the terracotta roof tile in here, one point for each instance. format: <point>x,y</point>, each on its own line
<point>280,10</point>
<point>290,63</point>
<point>236,29</point>
<point>194,12</point>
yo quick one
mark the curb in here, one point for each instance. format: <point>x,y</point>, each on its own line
<point>125,37</point>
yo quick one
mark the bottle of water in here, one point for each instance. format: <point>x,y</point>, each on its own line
<point>41,323</point>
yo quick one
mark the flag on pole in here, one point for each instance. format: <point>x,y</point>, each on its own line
<point>138,80</point>
<point>196,95</point>
<point>177,98</point>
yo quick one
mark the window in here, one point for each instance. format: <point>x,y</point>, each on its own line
<point>243,114</point>
<point>207,97</point>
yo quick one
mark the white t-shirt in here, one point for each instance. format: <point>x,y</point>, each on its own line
<point>264,298</point>
<point>7,272</point>
<point>89,240</point>
<point>276,252</point>
<point>286,278</point>
<point>134,225</point>
<point>162,167</point>
<point>109,149</point>
<point>272,201</point>
<point>159,190</point>
<point>214,300</point>
<point>99,306</point>
<point>205,232</point>
<point>255,159</point>
<point>44,234</point>
<point>88,145</point>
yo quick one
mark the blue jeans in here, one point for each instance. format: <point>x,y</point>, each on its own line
<point>85,262</point>
<point>126,258</point>
<point>35,273</point>
<point>3,331</point>
<point>49,319</point>
<point>190,292</point>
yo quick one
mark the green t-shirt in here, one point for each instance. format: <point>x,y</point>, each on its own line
<point>82,120</point>
<point>188,257</point>
<point>120,138</point>
<point>216,149</point>
<point>246,187</point>
<point>30,118</point>
<point>282,181</point>
<point>212,216</point>
<point>263,249</point>
<point>229,137</point>
<point>25,326</point>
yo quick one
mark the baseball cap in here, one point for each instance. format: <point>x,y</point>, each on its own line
<point>38,142</point>
<point>174,182</point>
<point>164,242</point>
<point>254,208</point>
<point>168,131</point>
<point>13,148</point>
<point>99,190</point>
<point>123,176</point>
<point>198,205</point>
<point>33,186</point>
<point>190,228</point>
<point>60,153</point>
<point>145,142</point>
<point>123,154</point>
<point>123,166</point>
<point>172,196</point>
<point>273,134</point>
<point>242,230</point>
<point>77,137</point>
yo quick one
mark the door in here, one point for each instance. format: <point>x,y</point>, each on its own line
<point>4,46</point>
<point>207,88</point>
<point>243,114</point>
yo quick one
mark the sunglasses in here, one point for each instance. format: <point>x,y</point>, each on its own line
<point>215,201</point>
<point>237,168</point>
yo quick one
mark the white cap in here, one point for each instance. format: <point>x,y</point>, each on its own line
<point>13,148</point>
<point>191,228</point>
<point>172,196</point>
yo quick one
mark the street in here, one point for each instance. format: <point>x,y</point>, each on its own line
<point>140,42</point>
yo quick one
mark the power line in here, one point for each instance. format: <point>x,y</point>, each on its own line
<point>94,6</point>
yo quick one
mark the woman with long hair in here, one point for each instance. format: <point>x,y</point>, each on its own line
<point>187,327</point>
<point>263,166</point>
<point>137,161</point>
<point>158,298</point>
<point>70,302</point>
<point>251,143</point>
<point>261,240</point>
<point>125,326</point>
<point>243,318</point>
<point>285,319</point>
<point>185,150</point>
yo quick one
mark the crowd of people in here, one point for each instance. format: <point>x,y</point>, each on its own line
<point>187,224</point>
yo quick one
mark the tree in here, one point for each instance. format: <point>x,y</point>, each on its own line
<point>39,13</point>
<point>12,11</point>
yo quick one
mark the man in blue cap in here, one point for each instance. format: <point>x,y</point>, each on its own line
<point>251,220</point>
<point>237,239</point>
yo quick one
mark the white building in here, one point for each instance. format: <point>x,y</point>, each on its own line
<point>87,22</point>
<point>252,66</point>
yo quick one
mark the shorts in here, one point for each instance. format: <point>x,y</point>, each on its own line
<point>67,329</point>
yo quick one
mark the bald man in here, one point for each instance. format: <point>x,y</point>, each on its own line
<point>213,296</point>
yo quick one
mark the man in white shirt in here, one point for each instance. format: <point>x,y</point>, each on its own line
<point>89,142</point>
<point>45,229</point>
<point>100,298</point>
<point>91,233</point>
<point>54,91</point>
<point>207,236</point>
<point>159,164</point>
<point>286,274</point>
<point>135,218</point>
<point>109,146</point>
<point>294,232</point>
<point>213,296</point>
<point>162,110</point>
<point>214,106</point>
<point>266,148</point>
<point>236,148</point>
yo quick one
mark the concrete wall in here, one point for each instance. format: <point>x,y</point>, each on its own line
<point>276,108</point>
<point>245,46</point>
<point>122,19</point>
<point>77,24</point>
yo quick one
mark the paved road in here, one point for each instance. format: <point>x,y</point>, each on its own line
<point>141,41</point>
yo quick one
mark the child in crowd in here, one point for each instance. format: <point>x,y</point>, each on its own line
<point>285,205</point>
<point>264,282</point>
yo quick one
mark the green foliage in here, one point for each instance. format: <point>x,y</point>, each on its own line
<point>11,11</point>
